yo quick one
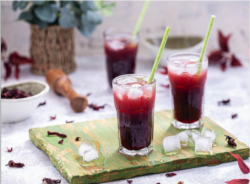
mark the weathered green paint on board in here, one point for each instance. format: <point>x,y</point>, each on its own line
<point>113,166</point>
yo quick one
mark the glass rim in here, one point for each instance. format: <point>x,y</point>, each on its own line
<point>204,61</point>
<point>114,81</point>
<point>108,31</point>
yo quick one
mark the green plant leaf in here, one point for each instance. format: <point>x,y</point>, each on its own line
<point>67,19</point>
<point>64,3</point>
<point>47,12</point>
<point>86,28</point>
<point>107,11</point>
<point>23,4</point>
<point>26,16</point>
<point>76,7</point>
<point>93,17</point>
<point>91,5</point>
<point>84,6</point>
<point>38,2</point>
<point>15,5</point>
<point>99,4</point>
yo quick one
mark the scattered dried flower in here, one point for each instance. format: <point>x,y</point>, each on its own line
<point>170,174</point>
<point>11,163</point>
<point>9,150</point>
<point>41,104</point>
<point>165,85</point>
<point>165,71</point>
<point>243,166</point>
<point>77,138</point>
<point>88,94</point>
<point>57,133</point>
<point>238,181</point>
<point>180,182</point>
<point>60,142</point>
<point>52,118</point>
<point>130,181</point>
<point>69,121</point>
<point>223,55</point>
<point>96,107</point>
<point>224,102</point>
<point>230,141</point>
<point>234,116</point>
<point>50,181</point>
<point>14,93</point>
<point>3,45</point>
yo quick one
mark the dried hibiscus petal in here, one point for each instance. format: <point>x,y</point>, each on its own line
<point>16,59</point>
<point>215,56</point>
<point>52,118</point>
<point>234,116</point>
<point>130,181</point>
<point>3,45</point>
<point>14,94</point>
<point>11,163</point>
<point>41,104</point>
<point>223,41</point>
<point>77,138</point>
<point>7,67</point>
<point>243,166</point>
<point>50,181</point>
<point>9,150</point>
<point>165,71</point>
<point>224,102</point>
<point>170,174</point>
<point>235,61</point>
<point>60,142</point>
<point>230,141</point>
<point>165,85</point>
<point>238,181</point>
<point>88,94</point>
<point>96,107</point>
<point>69,121</point>
<point>57,133</point>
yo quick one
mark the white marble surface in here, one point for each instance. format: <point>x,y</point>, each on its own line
<point>91,77</point>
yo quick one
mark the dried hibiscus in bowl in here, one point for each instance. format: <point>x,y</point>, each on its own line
<point>14,93</point>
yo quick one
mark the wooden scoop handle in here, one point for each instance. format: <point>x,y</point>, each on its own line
<point>60,84</point>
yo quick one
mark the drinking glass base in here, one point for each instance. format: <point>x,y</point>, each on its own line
<point>180,125</point>
<point>141,152</point>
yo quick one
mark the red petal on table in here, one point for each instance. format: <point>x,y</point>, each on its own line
<point>243,166</point>
<point>223,66</point>
<point>3,45</point>
<point>165,85</point>
<point>15,58</point>
<point>223,41</point>
<point>215,56</point>
<point>238,181</point>
<point>165,71</point>
<point>235,61</point>
<point>17,71</point>
<point>7,67</point>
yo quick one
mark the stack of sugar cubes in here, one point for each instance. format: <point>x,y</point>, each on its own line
<point>88,151</point>
<point>202,142</point>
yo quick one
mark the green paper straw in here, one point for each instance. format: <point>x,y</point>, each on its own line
<point>204,47</point>
<point>158,57</point>
<point>139,21</point>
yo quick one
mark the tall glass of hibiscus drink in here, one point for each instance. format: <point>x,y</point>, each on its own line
<point>134,101</point>
<point>187,89</point>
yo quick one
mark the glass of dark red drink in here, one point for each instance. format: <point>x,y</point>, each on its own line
<point>120,49</point>
<point>134,101</point>
<point>187,78</point>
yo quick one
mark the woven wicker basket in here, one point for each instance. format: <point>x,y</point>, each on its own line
<point>52,48</point>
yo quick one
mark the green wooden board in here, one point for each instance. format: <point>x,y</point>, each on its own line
<point>113,166</point>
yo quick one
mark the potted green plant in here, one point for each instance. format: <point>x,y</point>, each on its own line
<point>52,35</point>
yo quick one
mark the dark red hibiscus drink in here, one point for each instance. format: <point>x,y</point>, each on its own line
<point>187,80</point>
<point>134,101</point>
<point>120,52</point>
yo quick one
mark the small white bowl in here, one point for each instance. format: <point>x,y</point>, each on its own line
<point>155,41</point>
<point>14,110</point>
